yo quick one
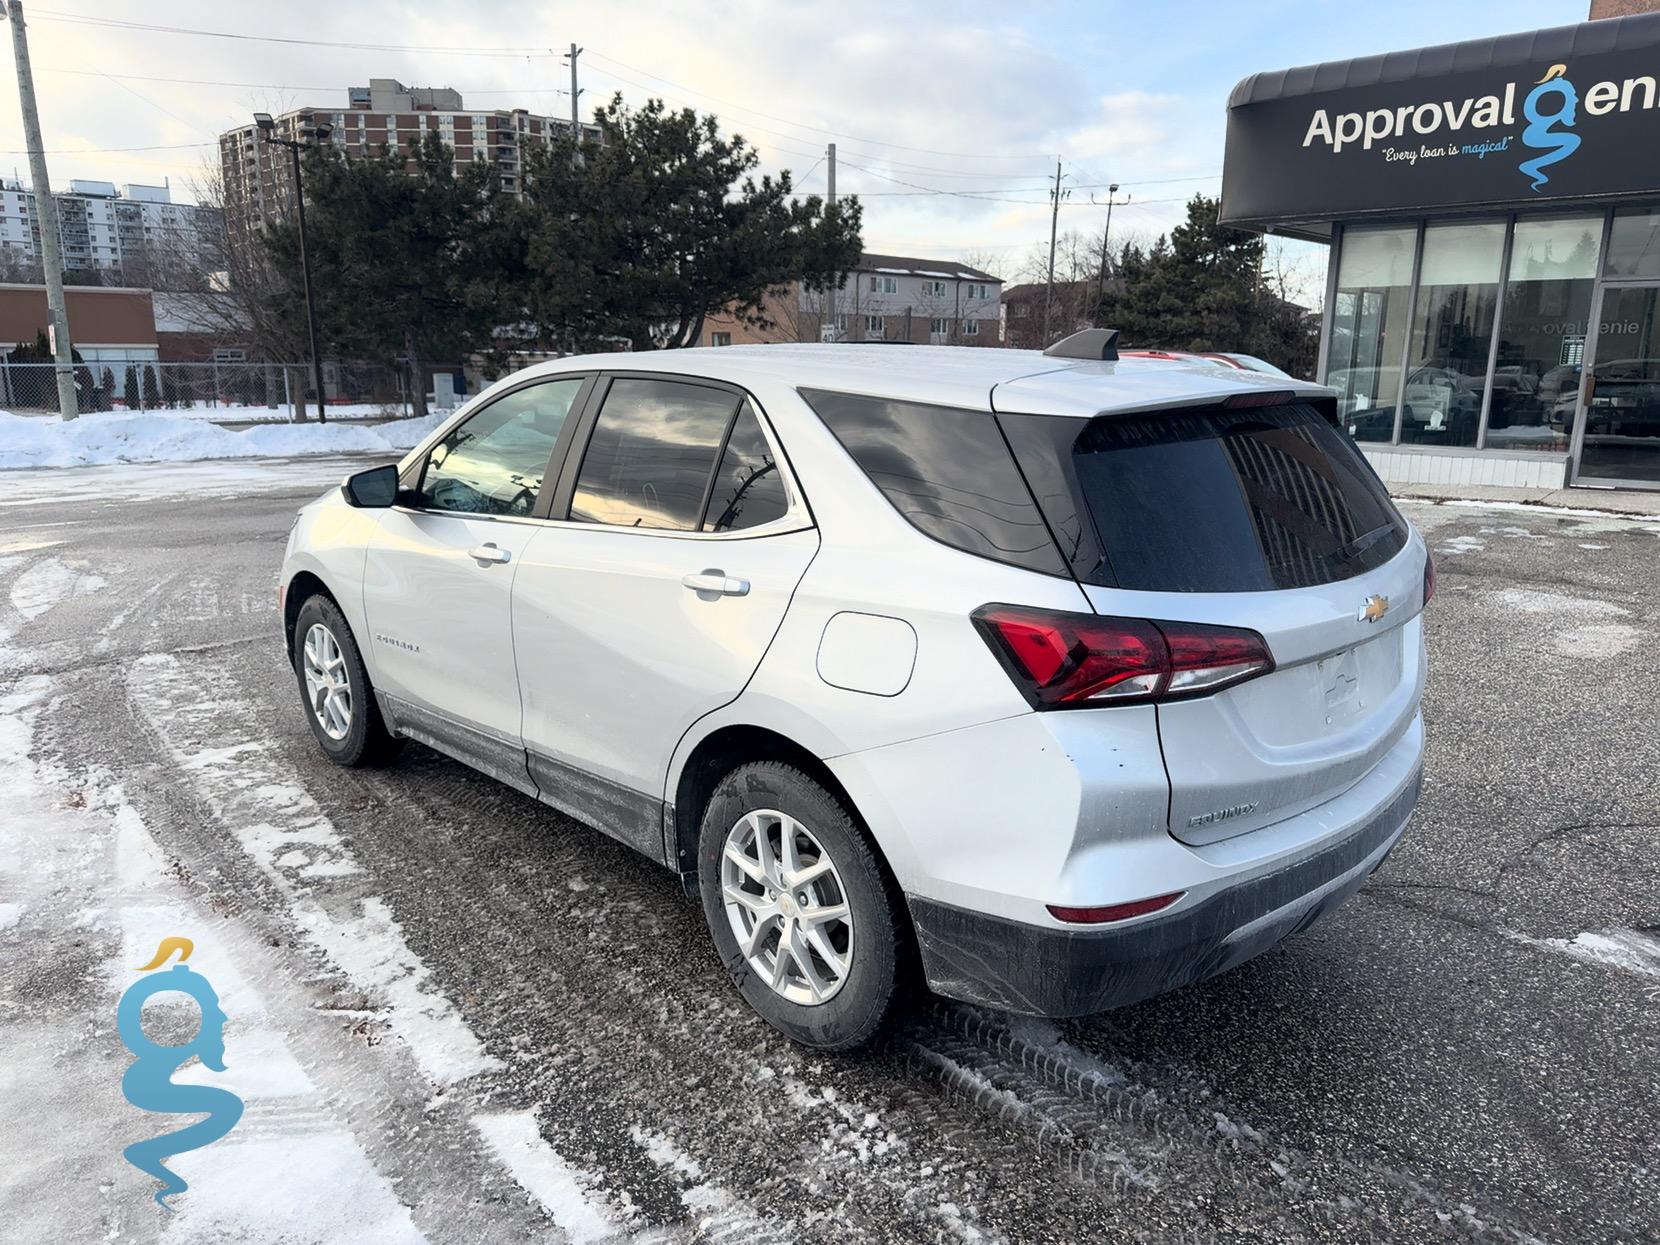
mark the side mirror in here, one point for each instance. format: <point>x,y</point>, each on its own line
<point>374,489</point>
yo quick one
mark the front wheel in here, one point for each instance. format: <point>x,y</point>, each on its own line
<point>801,912</point>
<point>339,701</point>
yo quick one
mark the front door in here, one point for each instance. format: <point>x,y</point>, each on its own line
<point>438,579</point>
<point>1620,411</point>
<point>651,598</point>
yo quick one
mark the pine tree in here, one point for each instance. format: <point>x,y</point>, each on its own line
<point>106,391</point>
<point>152,395</point>
<point>129,394</point>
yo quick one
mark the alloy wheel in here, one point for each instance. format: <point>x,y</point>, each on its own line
<point>328,689</point>
<point>787,907</point>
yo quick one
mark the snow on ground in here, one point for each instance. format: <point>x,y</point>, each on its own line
<point>231,413</point>
<point>1631,951</point>
<point>571,1197</point>
<point>170,436</point>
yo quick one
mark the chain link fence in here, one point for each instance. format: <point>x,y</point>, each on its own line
<point>224,392</point>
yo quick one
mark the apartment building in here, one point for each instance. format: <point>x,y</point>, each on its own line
<point>384,114</point>
<point>885,298</point>
<point>136,233</point>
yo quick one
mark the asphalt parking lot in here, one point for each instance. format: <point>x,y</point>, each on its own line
<point>458,1016</point>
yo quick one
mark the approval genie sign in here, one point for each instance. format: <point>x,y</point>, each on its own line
<point>1519,128</point>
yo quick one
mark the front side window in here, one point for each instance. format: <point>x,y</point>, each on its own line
<point>651,453</point>
<point>495,461</point>
<point>749,489</point>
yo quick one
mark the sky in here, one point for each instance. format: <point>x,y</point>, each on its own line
<point>948,117</point>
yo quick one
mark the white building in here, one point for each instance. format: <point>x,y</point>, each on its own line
<point>134,231</point>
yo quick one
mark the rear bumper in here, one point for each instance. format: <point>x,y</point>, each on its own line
<point>1073,972</point>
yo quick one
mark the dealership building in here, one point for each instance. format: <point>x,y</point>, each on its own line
<point>1492,309</point>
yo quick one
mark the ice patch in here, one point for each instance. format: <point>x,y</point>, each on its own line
<point>1462,544</point>
<point>1629,950</point>
<point>47,583</point>
<point>569,1195</point>
<point>1529,601</point>
<point>1589,546</point>
<point>10,915</point>
<point>1598,640</point>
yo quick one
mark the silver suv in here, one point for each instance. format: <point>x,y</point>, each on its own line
<point>1052,680</point>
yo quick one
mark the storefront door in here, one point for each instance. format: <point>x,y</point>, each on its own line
<point>1618,440</point>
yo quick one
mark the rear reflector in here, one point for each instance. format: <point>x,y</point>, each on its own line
<point>1061,660</point>
<point>1113,912</point>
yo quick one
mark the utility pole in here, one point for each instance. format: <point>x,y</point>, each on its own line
<point>830,297</point>
<point>318,133</point>
<point>1054,222</point>
<point>576,110</point>
<point>46,212</point>
<point>1112,191</point>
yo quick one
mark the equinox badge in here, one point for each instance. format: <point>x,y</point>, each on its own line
<point>1376,607</point>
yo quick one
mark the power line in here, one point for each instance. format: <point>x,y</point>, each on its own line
<point>869,142</point>
<point>115,23</point>
<point>105,151</point>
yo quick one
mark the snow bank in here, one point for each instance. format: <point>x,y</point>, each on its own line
<point>158,436</point>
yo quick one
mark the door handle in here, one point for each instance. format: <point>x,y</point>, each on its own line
<point>717,581</point>
<point>486,554</point>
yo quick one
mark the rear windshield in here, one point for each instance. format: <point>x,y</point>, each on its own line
<point>1208,500</point>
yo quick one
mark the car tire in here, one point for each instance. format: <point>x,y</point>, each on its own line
<point>360,736</point>
<point>758,798</point>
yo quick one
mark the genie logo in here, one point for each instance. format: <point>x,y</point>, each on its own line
<point>1541,133</point>
<point>148,1083</point>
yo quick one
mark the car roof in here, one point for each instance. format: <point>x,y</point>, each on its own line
<point>1024,380</point>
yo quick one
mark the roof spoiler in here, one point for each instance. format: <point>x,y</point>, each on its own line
<point>1093,344</point>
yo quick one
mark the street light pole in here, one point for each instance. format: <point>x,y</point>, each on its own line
<point>1106,235</point>
<point>267,128</point>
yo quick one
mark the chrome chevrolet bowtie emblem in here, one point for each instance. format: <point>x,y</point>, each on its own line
<point>1376,607</point>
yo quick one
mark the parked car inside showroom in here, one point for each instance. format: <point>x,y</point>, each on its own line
<point>1049,681</point>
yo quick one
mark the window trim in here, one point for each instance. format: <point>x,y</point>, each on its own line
<point>797,518</point>
<point>413,467</point>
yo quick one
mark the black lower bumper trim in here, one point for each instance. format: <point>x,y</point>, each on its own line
<point>1065,972</point>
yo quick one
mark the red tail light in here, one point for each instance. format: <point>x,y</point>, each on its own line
<point>1061,660</point>
<point>1429,575</point>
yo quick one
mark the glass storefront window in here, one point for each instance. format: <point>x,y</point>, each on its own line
<point>1452,332</point>
<point>1634,244</point>
<point>1542,327</point>
<point>1622,415</point>
<point>1374,282</point>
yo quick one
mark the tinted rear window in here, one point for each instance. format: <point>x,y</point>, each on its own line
<point>947,470</point>
<point>1208,499</point>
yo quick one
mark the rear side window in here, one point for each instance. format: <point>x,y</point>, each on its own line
<point>649,459</point>
<point>749,489</point>
<point>1210,499</point>
<point>948,471</point>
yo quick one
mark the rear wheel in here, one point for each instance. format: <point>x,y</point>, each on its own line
<point>801,913</point>
<point>334,686</point>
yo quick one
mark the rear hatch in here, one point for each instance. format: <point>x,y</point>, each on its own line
<point>1263,515</point>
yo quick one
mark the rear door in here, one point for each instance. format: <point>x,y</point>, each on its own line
<point>1264,517</point>
<point>677,541</point>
